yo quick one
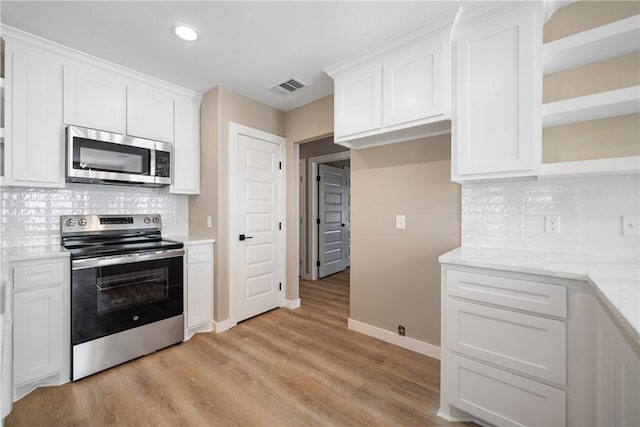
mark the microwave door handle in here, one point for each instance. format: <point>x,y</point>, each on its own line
<point>152,166</point>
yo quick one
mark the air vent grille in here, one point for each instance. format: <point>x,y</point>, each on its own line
<point>287,86</point>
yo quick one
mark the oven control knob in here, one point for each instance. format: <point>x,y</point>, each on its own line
<point>70,222</point>
<point>155,220</point>
<point>82,222</point>
<point>147,220</point>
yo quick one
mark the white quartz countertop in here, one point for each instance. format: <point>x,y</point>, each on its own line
<point>26,253</point>
<point>190,239</point>
<point>615,280</point>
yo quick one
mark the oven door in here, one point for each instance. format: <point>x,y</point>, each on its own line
<point>113,294</point>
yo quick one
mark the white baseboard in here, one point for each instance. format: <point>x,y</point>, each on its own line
<point>393,338</point>
<point>223,325</point>
<point>292,303</point>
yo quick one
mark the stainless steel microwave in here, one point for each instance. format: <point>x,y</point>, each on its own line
<point>100,157</point>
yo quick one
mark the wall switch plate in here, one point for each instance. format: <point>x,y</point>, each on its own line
<point>401,222</point>
<point>208,222</point>
<point>552,224</point>
<point>631,226</point>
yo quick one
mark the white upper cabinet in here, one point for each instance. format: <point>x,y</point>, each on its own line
<point>186,147</point>
<point>396,93</point>
<point>498,81</point>
<point>34,144</point>
<point>358,102</point>
<point>150,112</point>
<point>414,82</point>
<point>94,99</point>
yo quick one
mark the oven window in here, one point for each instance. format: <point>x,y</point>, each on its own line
<point>110,299</point>
<point>125,290</point>
<point>89,154</point>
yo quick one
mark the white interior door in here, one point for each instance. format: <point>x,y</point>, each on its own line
<point>260,264</point>
<point>332,225</point>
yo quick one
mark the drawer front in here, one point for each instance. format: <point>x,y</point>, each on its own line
<point>518,294</point>
<point>37,275</point>
<point>502,398</point>
<point>528,344</point>
<point>199,253</point>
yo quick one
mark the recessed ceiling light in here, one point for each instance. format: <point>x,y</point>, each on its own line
<point>186,33</point>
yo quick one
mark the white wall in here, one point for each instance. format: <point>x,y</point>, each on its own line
<point>511,214</point>
<point>31,216</point>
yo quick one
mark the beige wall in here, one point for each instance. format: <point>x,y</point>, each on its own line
<point>320,148</point>
<point>584,15</point>
<point>219,107</point>
<point>395,274</point>
<point>598,139</point>
<point>311,121</point>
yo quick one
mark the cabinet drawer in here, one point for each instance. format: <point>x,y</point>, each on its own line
<point>500,397</point>
<point>35,276</point>
<point>522,342</point>
<point>199,253</point>
<point>519,294</point>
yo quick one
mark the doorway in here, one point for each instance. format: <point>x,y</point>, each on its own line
<point>323,238</point>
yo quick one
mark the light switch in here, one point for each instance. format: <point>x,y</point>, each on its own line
<point>400,222</point>
<point>630,226</point>
<point>208,222</point>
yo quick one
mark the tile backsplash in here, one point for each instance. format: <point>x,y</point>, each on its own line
<point>31,216</point>
<point>512,214</point>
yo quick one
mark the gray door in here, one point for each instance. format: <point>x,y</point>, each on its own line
<point>347,174</point>
<point>332,230</point>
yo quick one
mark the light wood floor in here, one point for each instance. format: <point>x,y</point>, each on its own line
<point>285,367</point>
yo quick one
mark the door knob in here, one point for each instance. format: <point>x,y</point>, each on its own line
<point>343,225</point>
<point>243,237</point>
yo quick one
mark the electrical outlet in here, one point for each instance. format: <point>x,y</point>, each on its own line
<point>630,226</point>
<point>552,224</point>
<point>401,222</point>
<point>208,222</point>
<point>401,330</point>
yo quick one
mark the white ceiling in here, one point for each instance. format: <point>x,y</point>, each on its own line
<point>245,46</point>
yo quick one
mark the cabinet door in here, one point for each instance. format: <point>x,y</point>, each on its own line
<point>35,139</point>
<point>413,83</point>
<point>199,293</point>
<point>627,382</point>
<point>186,147</point>
<point>37,334</point>
<point>357,101</point>
<point>94,99</point>
<point>149,112</point>
<point>500,397</point>
<point>496,122</point>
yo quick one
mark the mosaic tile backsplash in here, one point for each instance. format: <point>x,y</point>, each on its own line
<point>512,215</point>
<point>31,216</point>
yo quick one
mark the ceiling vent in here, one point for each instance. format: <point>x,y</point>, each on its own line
<point>288,86</point>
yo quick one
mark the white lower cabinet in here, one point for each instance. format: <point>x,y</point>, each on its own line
<point>41,323</point>
<point>502,398</point>
<point>617,374</point>
<point>198,288</point>
<point>530,350</point>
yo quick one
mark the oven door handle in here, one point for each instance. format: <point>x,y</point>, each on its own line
<point>81,264</point>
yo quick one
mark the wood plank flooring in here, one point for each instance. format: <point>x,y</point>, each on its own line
<point>283,368</point>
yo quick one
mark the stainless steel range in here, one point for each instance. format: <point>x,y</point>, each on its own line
<point>126,289</point>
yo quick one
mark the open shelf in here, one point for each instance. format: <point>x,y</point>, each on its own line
<point>613,103</point>
<point>613,166</point>
<point>598,44</point>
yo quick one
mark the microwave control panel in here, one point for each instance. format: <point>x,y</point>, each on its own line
<point>163,164</point>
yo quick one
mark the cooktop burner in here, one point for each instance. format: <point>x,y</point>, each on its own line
<point>104,235</point>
